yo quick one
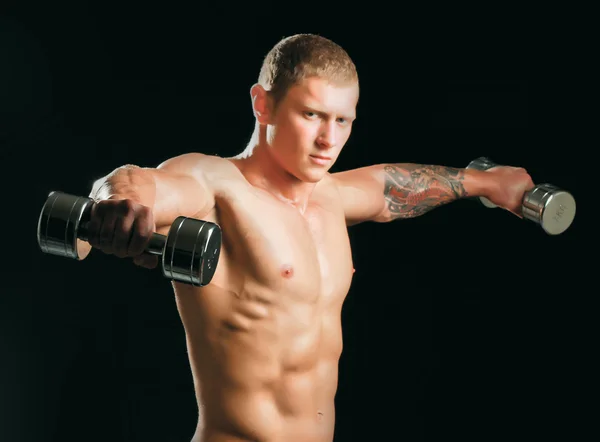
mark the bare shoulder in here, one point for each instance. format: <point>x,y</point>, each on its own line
<point>330,184</point>
<point>328,190</point>
<point>209,170</point>
<point>193,163</point>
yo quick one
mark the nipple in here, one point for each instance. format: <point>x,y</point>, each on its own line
<point>353,270</point>
<point>287,271</point>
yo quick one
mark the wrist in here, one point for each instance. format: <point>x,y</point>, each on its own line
<point>478,183</point>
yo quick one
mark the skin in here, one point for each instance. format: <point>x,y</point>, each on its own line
<point>264,337</point>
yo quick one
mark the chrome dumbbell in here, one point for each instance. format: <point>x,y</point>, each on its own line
<point>189,252</point>
<point>546,204</point>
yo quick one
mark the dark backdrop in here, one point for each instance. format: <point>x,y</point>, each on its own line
<point>466,323</point>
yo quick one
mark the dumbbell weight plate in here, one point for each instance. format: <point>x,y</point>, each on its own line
<point>551,207</point>
<point>192,251</point>
<point>58,224</point>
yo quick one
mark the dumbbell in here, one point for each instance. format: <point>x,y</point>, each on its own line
<point>189,252</point>
<point>547,205</point>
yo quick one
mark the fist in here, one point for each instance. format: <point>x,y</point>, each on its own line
<point>509,187</point>
<point>122,227</point>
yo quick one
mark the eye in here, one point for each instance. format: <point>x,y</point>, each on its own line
<point>310,114</point>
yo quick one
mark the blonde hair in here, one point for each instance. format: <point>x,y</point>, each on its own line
<point>301,56</point>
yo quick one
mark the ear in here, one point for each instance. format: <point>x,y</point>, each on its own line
<point>260,104</point>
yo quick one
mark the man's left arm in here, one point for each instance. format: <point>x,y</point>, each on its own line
<point>386,192</point>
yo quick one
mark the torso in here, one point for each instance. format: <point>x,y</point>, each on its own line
<point>264,337</point>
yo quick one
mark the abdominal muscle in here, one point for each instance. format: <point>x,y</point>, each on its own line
<point>264,367</point>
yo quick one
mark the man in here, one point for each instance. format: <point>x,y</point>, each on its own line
<point>264,337</point>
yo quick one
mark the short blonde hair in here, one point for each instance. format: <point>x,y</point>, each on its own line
<point>301,56</point>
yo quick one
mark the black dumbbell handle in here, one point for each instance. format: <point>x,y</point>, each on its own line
<point>155,246</point>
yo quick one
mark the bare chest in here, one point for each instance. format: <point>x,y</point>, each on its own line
<point>305,255</point>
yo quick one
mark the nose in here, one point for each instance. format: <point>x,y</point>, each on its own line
<point>327,136</point>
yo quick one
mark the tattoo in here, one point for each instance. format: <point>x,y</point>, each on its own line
<point>414,189</point>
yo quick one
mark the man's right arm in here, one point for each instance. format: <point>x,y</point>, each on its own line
<point>133,202</point>
<point>176,187</point>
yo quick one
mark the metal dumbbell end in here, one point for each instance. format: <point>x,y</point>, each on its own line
<point>59,225</point>
<point>189,253</point>
<point>547,205</point>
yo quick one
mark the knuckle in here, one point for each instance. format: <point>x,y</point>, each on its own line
<point>99,209</point>
<point>145,223</point>
<point>146,211</point>
<point>126,206</point>
<point>146,214</point>
<point>122,207</point>
<point>140,229</point>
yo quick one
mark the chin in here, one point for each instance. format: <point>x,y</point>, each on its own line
<point>311,175</point>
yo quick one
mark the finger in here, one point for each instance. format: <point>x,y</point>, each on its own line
<point>530,185</point>
<point>122,234</point>
<point>106,234</point>
<point>142,231</point>
<point>147,261</point>
<point>515,210</point>
<point>518,210</point>
<point>93,225</point>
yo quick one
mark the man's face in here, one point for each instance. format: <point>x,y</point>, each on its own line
<point>311,125</point>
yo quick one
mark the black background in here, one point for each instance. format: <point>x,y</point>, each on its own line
<point>466,323</point>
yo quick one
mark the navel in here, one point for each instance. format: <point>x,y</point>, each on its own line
<point>287,271</point>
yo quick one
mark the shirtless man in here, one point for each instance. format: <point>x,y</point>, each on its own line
<point>264,337</point>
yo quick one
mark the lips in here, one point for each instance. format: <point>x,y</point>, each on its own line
<point>321,160</point>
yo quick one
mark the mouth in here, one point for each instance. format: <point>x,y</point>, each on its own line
<point>320,159</point>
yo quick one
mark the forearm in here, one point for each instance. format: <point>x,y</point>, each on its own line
<point>167,193</point>
<point>126,182</point>
<point>411,190</point>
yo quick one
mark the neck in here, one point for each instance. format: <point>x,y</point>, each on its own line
<point>263,171</point>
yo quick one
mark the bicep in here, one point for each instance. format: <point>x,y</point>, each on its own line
<point>362,193</point>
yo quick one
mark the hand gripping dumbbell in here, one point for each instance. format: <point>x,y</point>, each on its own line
<point>190,251</point>
<point>547,205</point>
